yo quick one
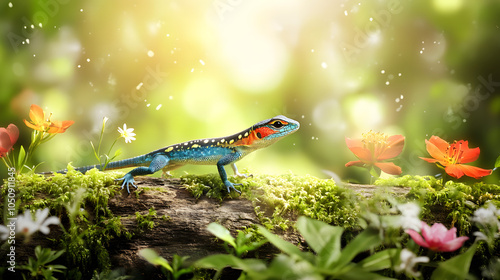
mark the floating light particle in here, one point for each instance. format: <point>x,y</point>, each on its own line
<point>10,5</point>
<point>382,72</point>
<point>27,41</point>
<point>81,10</point>
<point>202,62</point>
<point>399,74</point>
<point>151,53</point>
<point>147,105</point>
<point>401,96</point>
<point>32,26</point>
<point>387,83</point>
<point>324,65</point>
<point>171,97</point>
<point>168,35</point>
<point>397,100</point>
<point>138,87</point>
<point>79,66</point>
<point>158,107</point>
<point>371,19</point>
<point>345,12</point>
<point>312,50</point>
<point>88,59</point>
<point>40,25</point>
<point>192,70</point>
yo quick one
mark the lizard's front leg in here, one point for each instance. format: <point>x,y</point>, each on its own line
<point>158,162</point>
<point>225,160</point>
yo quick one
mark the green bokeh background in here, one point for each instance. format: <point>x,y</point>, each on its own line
<point>182,70</point>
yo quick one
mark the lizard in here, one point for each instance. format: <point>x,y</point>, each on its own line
<point>209,151</point>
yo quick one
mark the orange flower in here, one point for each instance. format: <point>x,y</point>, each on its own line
<point>453,156</point>
<point>38,121</point>
<point>8,137</point>
<point>375,148</point>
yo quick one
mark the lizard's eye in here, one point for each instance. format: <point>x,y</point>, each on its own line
<point>277,124</point>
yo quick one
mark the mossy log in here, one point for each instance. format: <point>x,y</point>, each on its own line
<point>184,232</point>
<point>171,215</point>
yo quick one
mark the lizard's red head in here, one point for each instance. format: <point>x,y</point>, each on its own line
<point>267,132</point>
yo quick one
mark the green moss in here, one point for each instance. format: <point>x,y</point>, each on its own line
<point>288,196</point>
<point>451,203</point>
<point>81,201</point>
<point>146,222</point>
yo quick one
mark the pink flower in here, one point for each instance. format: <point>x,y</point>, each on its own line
<point>438,238</point>
<point>8,137</point>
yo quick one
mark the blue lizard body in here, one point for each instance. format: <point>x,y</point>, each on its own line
<point>211,151</point>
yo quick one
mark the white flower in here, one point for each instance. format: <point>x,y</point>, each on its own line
<point>27,226</point>
<point>408,262</point>
<point>409,216</point>
<point>487,216</point>
<point>127,133</point>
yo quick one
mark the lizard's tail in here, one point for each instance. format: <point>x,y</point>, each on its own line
<point>135,161</point>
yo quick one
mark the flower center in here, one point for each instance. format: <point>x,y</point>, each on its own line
<point>376,142</point>
<point>454,152</point>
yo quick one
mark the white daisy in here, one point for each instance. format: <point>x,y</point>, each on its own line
<point>127,133</point>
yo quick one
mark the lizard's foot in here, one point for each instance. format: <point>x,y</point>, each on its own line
<point>127,181</point>
<point>231,185</point>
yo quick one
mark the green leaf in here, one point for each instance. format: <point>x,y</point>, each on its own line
<point>323,238</point>
<point>221,233</point>
<point>353,272</point>
<point>497,162</point>
<point>153,258</point>
<point>220,261</point>
<point>317,233</point>
<point>380,260</point>
<point>456,267</point>
<point>366,240</point>
<point>284,246</point>
<point>22,155</point>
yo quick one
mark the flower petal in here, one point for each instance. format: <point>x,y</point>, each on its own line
<point>454,170</point>
<point>5,143</point>
<point>431,160</point>
<point>468,155</point>
<point>417,238</point>
<point>395,144</point>
<point>436,150</point>
<point>389,167</point>
<point>13,132</point>
<point>355,163</point>
<point>474,172</point>
<point>37,116</point>
<point>453,244</point>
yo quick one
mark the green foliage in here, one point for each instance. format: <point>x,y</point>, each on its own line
<point>329,260</point>
<point>456,267</point>
<point>210,185</point>
<point>242,244</point>
<point>451,203</point>
<point>40,267</point>
<point>173,271</point>
<point>146,222</point>
<point>86,236</point>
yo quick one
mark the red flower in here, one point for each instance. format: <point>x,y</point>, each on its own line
<point>39,122</point>
<point>8,137</point>
<point>437,238</point>
<point>375,148</point>
<point>453,156</point>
